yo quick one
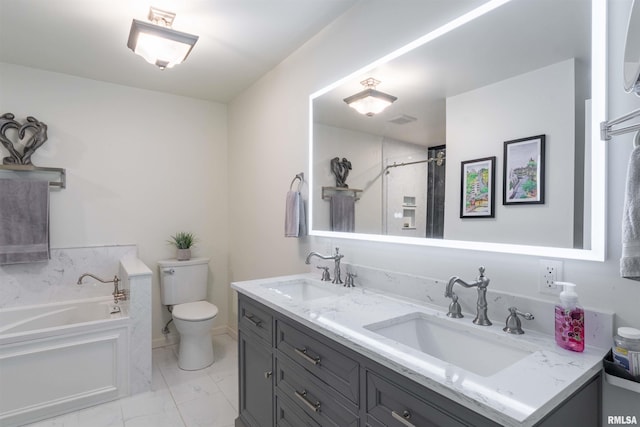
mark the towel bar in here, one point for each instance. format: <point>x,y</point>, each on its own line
<point>62,183</point>
<point>607,131</point>
<point>328,191</point>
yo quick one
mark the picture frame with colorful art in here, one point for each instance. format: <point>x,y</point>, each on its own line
<point>523,173</point>
<point>477,192</point>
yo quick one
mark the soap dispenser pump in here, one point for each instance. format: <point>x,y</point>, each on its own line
<point>569,318</point>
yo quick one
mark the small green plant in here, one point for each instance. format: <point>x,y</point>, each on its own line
<point>183,240</point>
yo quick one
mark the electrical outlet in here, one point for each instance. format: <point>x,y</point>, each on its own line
<point>550,272</point>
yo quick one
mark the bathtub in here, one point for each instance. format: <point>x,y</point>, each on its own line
<point>60,357</point>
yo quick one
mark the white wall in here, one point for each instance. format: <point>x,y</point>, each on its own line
<point>478,124</point>
<point>268,134</point>
<point>141,166</point>
<point>364,151</point>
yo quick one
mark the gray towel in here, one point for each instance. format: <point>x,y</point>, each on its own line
<point>24,221</point>
<point>295,223</point>
<point>342,213</point>
<point>630,260</point>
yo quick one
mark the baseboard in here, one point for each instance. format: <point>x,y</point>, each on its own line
<point>232,332</point>
<point>173,337</point>
<point>165,340</point>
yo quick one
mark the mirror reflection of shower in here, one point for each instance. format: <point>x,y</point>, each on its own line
<point>411,208</point>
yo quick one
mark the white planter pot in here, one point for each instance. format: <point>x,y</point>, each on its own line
<point>183,254</point>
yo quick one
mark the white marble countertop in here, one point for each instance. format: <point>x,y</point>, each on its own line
<point>520,394</point>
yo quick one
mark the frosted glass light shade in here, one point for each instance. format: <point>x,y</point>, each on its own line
<point>370,101</point>
<point>160,46</point>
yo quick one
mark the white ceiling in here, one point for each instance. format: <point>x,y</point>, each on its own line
<point>240,40</point>
<point>516,38</point>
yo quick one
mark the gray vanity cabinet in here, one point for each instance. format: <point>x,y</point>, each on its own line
<point>294,376</point>
<point>255,358</point>
<point>395,401</point>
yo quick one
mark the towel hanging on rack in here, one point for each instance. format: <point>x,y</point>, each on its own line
<point>295,223</point>
<point>342,208</point>
<point>630,260</point>
<point>24,221</point>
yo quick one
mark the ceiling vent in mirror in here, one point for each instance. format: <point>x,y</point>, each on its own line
<point>370,101</point>
<point>157,42</point>
<point>402,119</point>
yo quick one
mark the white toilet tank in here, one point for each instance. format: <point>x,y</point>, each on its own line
<point>183,281</point>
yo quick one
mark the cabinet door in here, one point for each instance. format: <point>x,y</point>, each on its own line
<point>256,382</point>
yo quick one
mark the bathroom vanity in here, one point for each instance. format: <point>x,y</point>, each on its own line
<point>316,354</point>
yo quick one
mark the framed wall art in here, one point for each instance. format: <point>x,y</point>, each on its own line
<point>478,188</point>
<point>523,175</point>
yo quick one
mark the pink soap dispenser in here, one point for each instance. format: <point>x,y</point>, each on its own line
<point>569,319</point>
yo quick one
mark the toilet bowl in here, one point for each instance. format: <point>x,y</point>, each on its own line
<point>183,286</point>
<point>193,321</point>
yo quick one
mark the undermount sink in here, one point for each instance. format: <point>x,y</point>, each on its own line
<point>466,347</point>
<point>305,290</point>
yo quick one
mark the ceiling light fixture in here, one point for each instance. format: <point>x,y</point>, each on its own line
<point>157,42</point>
<point>370,101</point>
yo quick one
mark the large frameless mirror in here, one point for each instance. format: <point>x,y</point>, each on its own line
<point>492,143</point>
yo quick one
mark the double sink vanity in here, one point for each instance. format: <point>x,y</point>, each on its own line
<point>313,353</point>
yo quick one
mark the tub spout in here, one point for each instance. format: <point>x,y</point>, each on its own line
<point>118,294</point>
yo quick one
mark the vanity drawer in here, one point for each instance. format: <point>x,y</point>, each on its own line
<point>334,368</point>
<point>394,406</point>
<point>254,318</point>
<point>288,414</point>
<point>313,397</point>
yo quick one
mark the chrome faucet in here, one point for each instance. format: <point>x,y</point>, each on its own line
<point>335,257</point>
<point>118,294</point>
<point>454,308</point>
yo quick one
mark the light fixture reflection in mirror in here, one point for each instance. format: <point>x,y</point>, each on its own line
<point>370,101</point>
<point>594,159</point>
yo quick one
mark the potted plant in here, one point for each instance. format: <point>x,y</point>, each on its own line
<point>183,241</point>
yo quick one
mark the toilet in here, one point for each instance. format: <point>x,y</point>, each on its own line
<point>183,285</point>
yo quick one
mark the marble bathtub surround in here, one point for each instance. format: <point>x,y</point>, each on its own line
<point>520,394</point>
<point>54,281</point>
<point>136,281</point>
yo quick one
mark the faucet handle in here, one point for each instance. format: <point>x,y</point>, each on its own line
<point>455,311</point>
<point>513,324</point>
<point>481,270</point>
<point>325,273</point>
<point>348,281</point>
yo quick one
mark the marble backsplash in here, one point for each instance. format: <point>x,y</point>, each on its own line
<point>55,280</point>
<point>598,323</point>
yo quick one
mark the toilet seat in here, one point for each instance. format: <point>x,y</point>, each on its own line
<point>195,311</point>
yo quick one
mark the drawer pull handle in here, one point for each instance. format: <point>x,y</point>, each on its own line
<point>303,353</point>
<point>404,418</point>
<point>268,374</point>
<point>256,323</point>
<point>315,407</point>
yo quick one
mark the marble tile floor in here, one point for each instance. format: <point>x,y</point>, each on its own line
<point>204,398</point>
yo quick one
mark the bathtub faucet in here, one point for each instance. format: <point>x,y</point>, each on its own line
<point>118,294</point>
